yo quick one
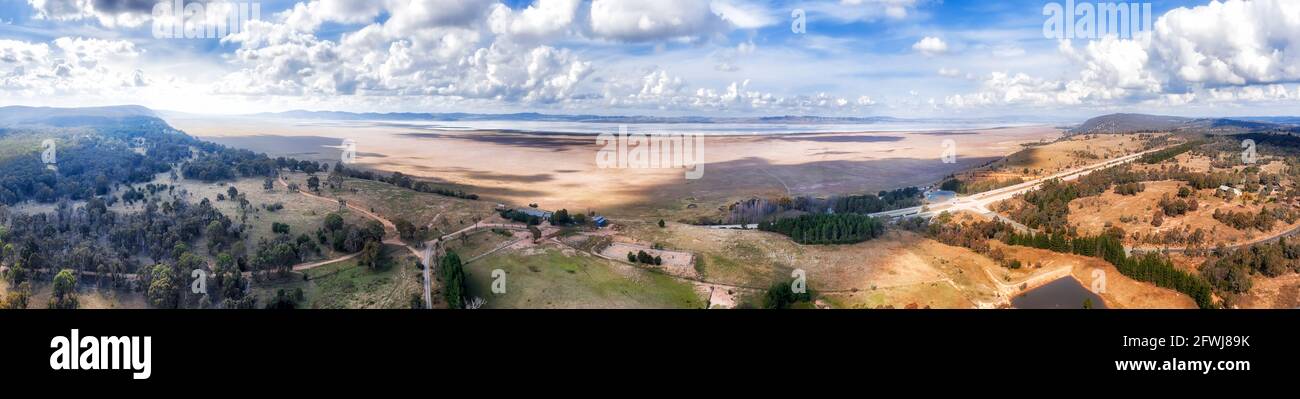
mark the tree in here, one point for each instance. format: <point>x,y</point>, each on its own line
<point>164,288</point>
<point>631,257</point>
<point>17,298</point>
<point>283,300</point>
<point>269,184</point>
<point>781,295</point>
<point>372,255</point>
<point>375,230</point>
<point>279,228</point>
<point>313,183</point>
<point>64,291</point>
<point>333,222</point>
<point>662,224</point>
<point>452,275</point>
<point>232,192</point>
<point>405,229</point>
<point>561,218</point>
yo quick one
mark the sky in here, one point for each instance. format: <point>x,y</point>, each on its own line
<point>900,58</point>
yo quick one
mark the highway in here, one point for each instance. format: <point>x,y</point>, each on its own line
<point>979,203</point>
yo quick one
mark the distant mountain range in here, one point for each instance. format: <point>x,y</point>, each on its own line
<point>20,115</point>
<point>1138,123</point>
<point>539,117</point>
<point>1113,123</point>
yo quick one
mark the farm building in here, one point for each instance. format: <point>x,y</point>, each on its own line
<point>600,221</point>
<point>536,212</point>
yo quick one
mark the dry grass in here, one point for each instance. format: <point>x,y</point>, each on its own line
<point>1092,214</point>
<point>1281,292</point>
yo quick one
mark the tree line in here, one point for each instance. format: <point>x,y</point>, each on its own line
<point>840,228</point>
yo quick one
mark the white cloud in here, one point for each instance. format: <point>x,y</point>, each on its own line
<point>931,46</point>
<point>544,19</point>
<point>744,15</point>
<point>465,52</point>
<point>309,16</point>
<point>639,21</point>
<point>845,11</point>
<point>1230,43</point>
<point>659,89</point>
<point>68,66</point>
<point>109,13</point>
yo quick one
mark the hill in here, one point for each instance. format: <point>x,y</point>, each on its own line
<point>1141,123</point>
<point>62,117</point>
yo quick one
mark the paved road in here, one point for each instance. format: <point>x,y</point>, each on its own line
<point>979,203</point>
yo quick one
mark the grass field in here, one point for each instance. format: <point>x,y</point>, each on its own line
<point>347,285</point>
<point>441,214</point>
<point>482,242</point>
<point>551,278</point>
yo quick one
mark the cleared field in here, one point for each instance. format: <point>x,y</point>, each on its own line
<point>441,214</point>
<point>477,244</point>
<point>935,295</point>
<point>347,285</point>
<point>1071,153</point>
<point>674,262</point>
<point>552,278</point>
<point>758,259</point>
<point>898,269</point>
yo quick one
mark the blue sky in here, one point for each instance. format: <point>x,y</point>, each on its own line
<point>907,58</point>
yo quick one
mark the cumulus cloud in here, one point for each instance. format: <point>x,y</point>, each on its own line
<point>310,15</point>
<point>545,19</point>
<point>931,46</point>
<point>468,51</point>
<point>68,65</point>
<point>1231,43</point>
<point>660,89</point>
<point>110,13</point>
<point>1240,51</point>
<point>641,21</point>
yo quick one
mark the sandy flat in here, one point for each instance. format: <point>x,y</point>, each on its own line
<point>561,171</point>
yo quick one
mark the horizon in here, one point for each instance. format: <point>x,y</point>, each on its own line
<point>1004,118</point>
